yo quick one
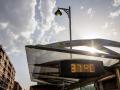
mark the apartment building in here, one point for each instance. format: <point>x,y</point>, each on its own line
<point>7,71</point>
<point>17,86</point>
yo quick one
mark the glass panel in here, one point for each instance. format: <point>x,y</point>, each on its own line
<point>37,56</point>
<point>88,87</point>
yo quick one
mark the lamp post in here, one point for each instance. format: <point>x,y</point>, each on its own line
<point>68,12</point>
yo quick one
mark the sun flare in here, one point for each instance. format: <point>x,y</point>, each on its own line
<point>89,49</point>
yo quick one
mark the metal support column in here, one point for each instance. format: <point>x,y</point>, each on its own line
<point>101,86</point>
<point>96,86</point>
<point>118,77</point>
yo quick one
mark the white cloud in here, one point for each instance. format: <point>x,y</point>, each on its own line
<point>58,28</point>
<point>106,25</point>
<point>90,12</point>
<point>15,51</point>
<point>3,25</point>
<point>46,9</point>
<point>116,3</point>
<point>46,25</point>
<point>82,7</point>
<point>115,14</point>
<point>17,23</point>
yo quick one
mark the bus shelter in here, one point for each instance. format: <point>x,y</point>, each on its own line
<point>58,64</point>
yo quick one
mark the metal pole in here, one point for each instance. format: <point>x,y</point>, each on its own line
<point>118,77</point>
<point>96,85</point>
<point>101,85</point>
<point>70,30</point>
<point>68,12</point>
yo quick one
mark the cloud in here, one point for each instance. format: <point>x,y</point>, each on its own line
<point>57,28</point>
<point>115,14</point>
<point>3,25</point>
<point>116,3</point>
<point>82,7</point>
<point>106,25</point>
<point>16,20</point>
<point>46,28</point>
<point>90,12</point>
<point>46,9</point>
<point>50,35</point>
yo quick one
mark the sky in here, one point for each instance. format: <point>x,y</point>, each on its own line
<point>30,22</point>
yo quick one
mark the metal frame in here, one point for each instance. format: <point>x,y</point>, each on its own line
<point>98,43</point>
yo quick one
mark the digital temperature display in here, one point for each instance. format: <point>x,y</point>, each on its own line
<point>76,68</point>
<point>81,68</point>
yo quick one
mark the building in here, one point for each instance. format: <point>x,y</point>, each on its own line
<point>7,71</point>
<point>17,86</point>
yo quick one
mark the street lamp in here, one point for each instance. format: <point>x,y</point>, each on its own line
<point>68,12</point>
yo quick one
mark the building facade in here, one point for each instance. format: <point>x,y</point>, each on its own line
<point>17,86</point>
<point>7,72</point>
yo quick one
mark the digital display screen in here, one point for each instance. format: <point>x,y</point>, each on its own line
<point>81,68</point>
<point>76,68</point>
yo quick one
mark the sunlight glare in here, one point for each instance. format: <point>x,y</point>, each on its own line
<point>89,49</point>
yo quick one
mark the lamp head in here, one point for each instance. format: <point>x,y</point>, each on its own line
<point>58,13</point>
